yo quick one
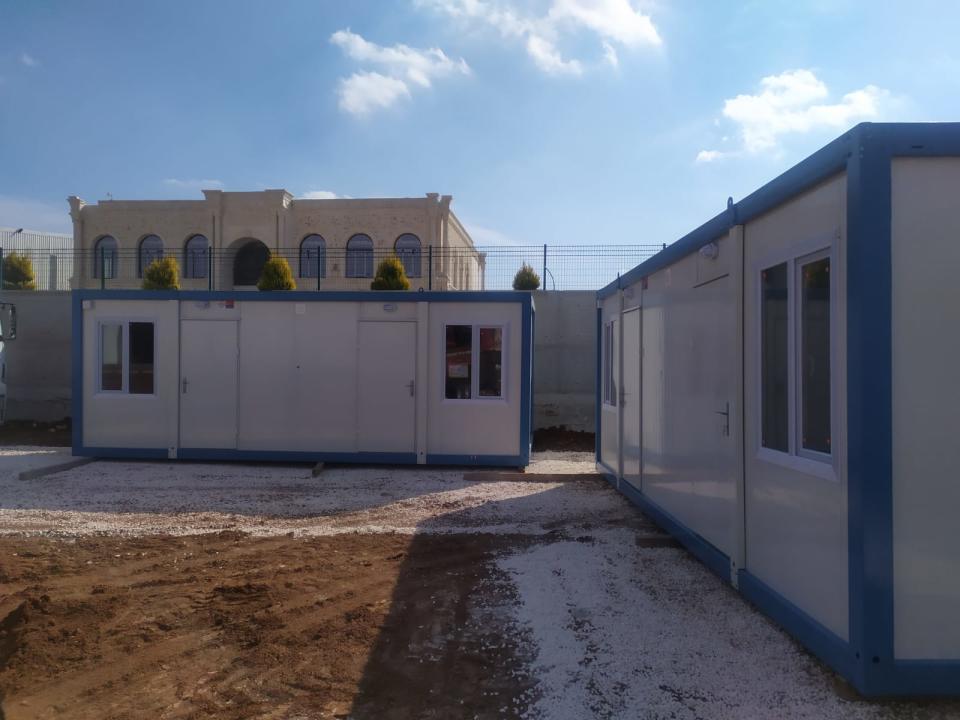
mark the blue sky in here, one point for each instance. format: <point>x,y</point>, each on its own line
<point>559,121</point>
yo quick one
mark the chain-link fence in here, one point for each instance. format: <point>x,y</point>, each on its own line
<point>560,267</point>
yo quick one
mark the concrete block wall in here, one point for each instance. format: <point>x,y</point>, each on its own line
<point>565,359</point>
<point>38,361</point>
<point>39,379</point>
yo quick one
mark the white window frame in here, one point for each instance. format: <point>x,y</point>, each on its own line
<point>475,328</point>
<point>797,458</point>
<point>124,324</point>
<point>609,363</point>
<point>799,264</point>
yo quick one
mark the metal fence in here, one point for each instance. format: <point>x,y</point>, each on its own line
<point>50,255</point>
<point>560,267</point>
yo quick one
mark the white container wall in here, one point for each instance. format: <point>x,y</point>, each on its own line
<point>441,378</point>
<point>778,389</point>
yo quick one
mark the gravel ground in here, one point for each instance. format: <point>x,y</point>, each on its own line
<point>145,498</point>
<point>609,626</point>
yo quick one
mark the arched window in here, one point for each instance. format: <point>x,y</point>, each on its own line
<point>407,248</point>
<point>151,248</point>
<point>105,257</point>
<point>196,257</point>
<point>360,256</point>
<point>313,257</point>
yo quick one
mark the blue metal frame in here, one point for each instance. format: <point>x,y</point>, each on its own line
<point>865,153</point>
<point>521,459</point>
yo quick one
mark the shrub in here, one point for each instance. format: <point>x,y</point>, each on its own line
<point>276,275</point>
<point>18,272</point>
<point>526,278</point>
<point>390,275</point>
<point>162,274</point>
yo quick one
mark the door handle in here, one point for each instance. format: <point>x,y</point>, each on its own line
<point>726,417</point>
<point>184,386</point>
<point>413,387</point>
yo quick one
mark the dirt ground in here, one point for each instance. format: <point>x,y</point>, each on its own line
<point>24,432</point>
<point>562,439</point>
<point>228,626</point>
<point>214,590</point>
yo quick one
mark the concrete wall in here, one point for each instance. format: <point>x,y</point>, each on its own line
<point>38,361</point>
<point>564,359</point>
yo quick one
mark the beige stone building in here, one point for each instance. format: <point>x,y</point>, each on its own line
<point>222,241</point>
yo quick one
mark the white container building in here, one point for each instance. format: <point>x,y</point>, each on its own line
<point>384,377</point>
<point>779,389</point>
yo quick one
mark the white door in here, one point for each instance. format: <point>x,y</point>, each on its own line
<point>208,384</point>
<point>690,371</point>
<point>631,397</point>
<point>386,396</point>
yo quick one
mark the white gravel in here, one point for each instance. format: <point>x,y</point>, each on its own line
<point>620,631</point>
<point>136,498</point>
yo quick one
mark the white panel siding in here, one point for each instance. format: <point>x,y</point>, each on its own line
<point>796,521</point>
<point>926,408</point>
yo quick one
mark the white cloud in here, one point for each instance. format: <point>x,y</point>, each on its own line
<point>402,67</point>
<point>29,60</point>
<point>35,215</point>
<point>483,236</point>
<point>364,92</point>
<point>193,184</point>
<point>614,22</point>
<point>706,156</point>
<point>321,195</point>
<point>794,102</point>
<point>610,19</point>
<point>548,58</point>
<point>610,55</point>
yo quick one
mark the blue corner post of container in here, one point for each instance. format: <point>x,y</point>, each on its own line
<point>76,351</point>
<point>869,407</point>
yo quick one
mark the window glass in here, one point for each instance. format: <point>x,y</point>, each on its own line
<point>815,355</point>
<point>111,357</point>
<point>491,362</point>
<point>151,248</point>
<point>459,357</point>
<point>360,256</point>
<point>141,358</point>
<point>774,370</point>
<point>408,250</point>
<point>313,257</point>
<point>196,257</point>
<point>105,258</point>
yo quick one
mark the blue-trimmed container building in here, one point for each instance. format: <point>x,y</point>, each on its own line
<point>779,389</point>
<point>385,377</point>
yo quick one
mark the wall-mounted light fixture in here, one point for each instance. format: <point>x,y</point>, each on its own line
<point>711,251</point>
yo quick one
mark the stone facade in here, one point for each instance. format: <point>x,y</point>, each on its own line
<point>232,223</point>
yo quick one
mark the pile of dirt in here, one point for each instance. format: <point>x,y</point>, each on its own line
<point>228,626</point>
<point>26,432</point>
<point>562,439</point>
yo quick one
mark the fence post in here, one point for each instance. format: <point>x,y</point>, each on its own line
<point>209,268</point>
<point>429,267</point>
<point>53,273</point>
<point>544,266</point>
<point>1,268</point>
<point>103,268</point>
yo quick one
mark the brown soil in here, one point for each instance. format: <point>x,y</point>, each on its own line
<point>227,626</point>
<point>25,432</point>
<point>559,438</point>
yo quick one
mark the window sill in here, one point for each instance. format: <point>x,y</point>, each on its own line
<point>815,468</point>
